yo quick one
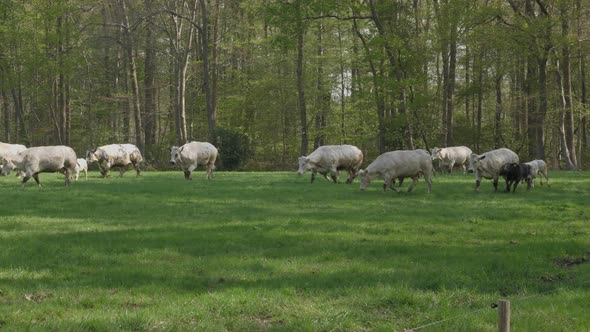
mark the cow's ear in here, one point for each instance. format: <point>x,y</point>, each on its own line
<point>307,159</point>
<point>362,172</point>
<point>482,157</point>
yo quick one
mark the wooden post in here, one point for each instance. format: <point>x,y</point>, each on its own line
<point>504,316</point>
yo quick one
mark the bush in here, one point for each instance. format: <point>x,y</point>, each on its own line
<point>234,149</point>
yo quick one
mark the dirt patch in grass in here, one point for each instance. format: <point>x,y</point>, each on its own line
<point>38,297</point>
<point>565,262</point>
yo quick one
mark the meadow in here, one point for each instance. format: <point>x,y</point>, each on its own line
<point>272,252</point>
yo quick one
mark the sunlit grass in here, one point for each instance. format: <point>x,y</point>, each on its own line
<point>270,251</point>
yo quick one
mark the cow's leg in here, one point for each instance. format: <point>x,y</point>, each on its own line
<point>68,174</point>
<point>137,169</point>
<point>86,174</point>
<point>187,175</point>
<point>401,181</point>
<point>36,177</point>
<point>334,175</point>
<point>544,173</point>
<point>508,185</point>
<point>350,173</point>
<point>392,184</point>
<point>122,171</point>
<point>528,184</point>
<point>414,183</point>
<point>77,174</point>
<point>209,171</point>
<point>313,174</point>
<point>477,183</point>
<point>515,185</point>
<point>104,171</point>
<point>26,178</point>
<point>495,184</point>
<point>451,166</point>
<point>428,182</point>
<point>191,169</point>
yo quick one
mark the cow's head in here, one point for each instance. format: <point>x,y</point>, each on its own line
<point>91,155</point>
<point>303,165</point>
<point>365,179</point>
<point>474,160</point>
<point>7,166</point>
<point>174,155</point>
<point>435,153</point>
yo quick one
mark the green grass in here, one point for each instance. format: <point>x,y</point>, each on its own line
<point>270,251</point>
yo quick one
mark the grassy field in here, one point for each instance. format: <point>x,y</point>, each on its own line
<point>270,251</point>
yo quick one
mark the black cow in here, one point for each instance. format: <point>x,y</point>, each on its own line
<point>513,173</point>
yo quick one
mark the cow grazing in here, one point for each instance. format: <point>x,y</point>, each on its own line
<point>398,165</point>
<point>115,155</point>
<point>513,173</point>
<point>489,164</point>
<point>332,159</point>
<point>194,154</point>
<point>452,156</point>
<point>40,159</point>
<point>81,165</point>
<point>538,167</point>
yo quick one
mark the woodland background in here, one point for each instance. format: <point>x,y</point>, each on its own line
<point>267,81</point>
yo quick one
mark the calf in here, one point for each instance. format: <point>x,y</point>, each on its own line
<point>81,165</point>
<point>538,167</point>
<point>513,173</point>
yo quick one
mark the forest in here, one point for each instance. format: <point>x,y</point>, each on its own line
<point>269,80</point>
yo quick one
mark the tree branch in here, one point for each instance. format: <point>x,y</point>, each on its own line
<point>339,18</point>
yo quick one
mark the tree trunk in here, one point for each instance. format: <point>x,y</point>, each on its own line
<point>450,94</point>
<point>565,153</point>
<point>379,102</point>
<point>543,97</point>
<point>567,90</point>
<point>6,112</point>
<point>321,100</point>
<point>150,72</point>
<point>480,94</point>
<point>210,103</point>
<point>498,117</point>
<point>301,86</point>
<point>133,78</point>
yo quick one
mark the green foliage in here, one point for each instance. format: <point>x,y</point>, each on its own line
<point>234,148</point>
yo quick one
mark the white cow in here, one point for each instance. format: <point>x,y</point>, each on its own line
<point>115,155</point>
<point>7,149</point>
<point>398,165</point>
<point>81,165</point>
<point>42,159</point>
<point>489,165</point>
<point>194,154</point>
<point>538,167</point>
<point>452,156</point>
<point>134,155</point>
<point>332,159</point>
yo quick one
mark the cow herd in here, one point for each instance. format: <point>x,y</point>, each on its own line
<point>401,164</point>
<point>328,160</point>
